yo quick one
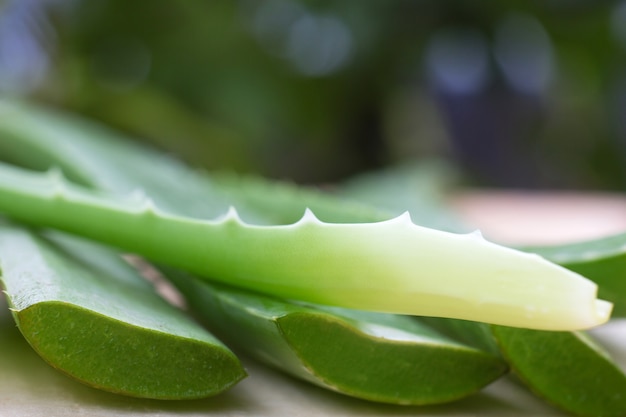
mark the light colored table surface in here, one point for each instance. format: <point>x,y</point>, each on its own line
<point>530,218</point>
<point>29,387</point>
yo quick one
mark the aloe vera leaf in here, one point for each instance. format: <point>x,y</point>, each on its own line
<point>567,369</point>
<point>373,356</point>
<point>315,300</point>
<point>94,155</point>
<point>104,331</point>
<point>97,156</point>
<point>369,266</point>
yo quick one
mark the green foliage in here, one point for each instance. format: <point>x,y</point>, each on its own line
<point>110,163</point>
<point>290,334</point>
<point>568,369</point>
<point>390,266</point>
<point>110,331</point>
<point>384,358</point>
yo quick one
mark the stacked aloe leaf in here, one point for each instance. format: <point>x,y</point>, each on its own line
<point>261,262</point>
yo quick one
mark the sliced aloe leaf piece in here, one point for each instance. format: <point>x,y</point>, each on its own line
<point>111,332</point>
<point>369,266</point>
<point>568,369</point>
<point>378,357</point>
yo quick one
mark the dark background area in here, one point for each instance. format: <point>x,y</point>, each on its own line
<point>524,94</point>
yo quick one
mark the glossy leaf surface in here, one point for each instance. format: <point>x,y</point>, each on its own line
<point>567,369</point>
<point>109,331</point>
<point>378,357</point>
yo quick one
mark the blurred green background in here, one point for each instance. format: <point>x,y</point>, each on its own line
<point>527,94</point>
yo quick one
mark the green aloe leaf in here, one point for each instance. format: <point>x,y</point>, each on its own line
<point>379,357</point>
<point>568,369</point>
<point>370,266</point>
<point>110,331</point>
<point>386,252</point>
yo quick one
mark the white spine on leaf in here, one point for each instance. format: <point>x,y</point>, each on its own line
<point>308,218</point>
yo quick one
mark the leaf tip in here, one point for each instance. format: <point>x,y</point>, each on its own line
<point>603,310</point>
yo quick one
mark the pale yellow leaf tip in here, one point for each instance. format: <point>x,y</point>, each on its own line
<point>603,310</point>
